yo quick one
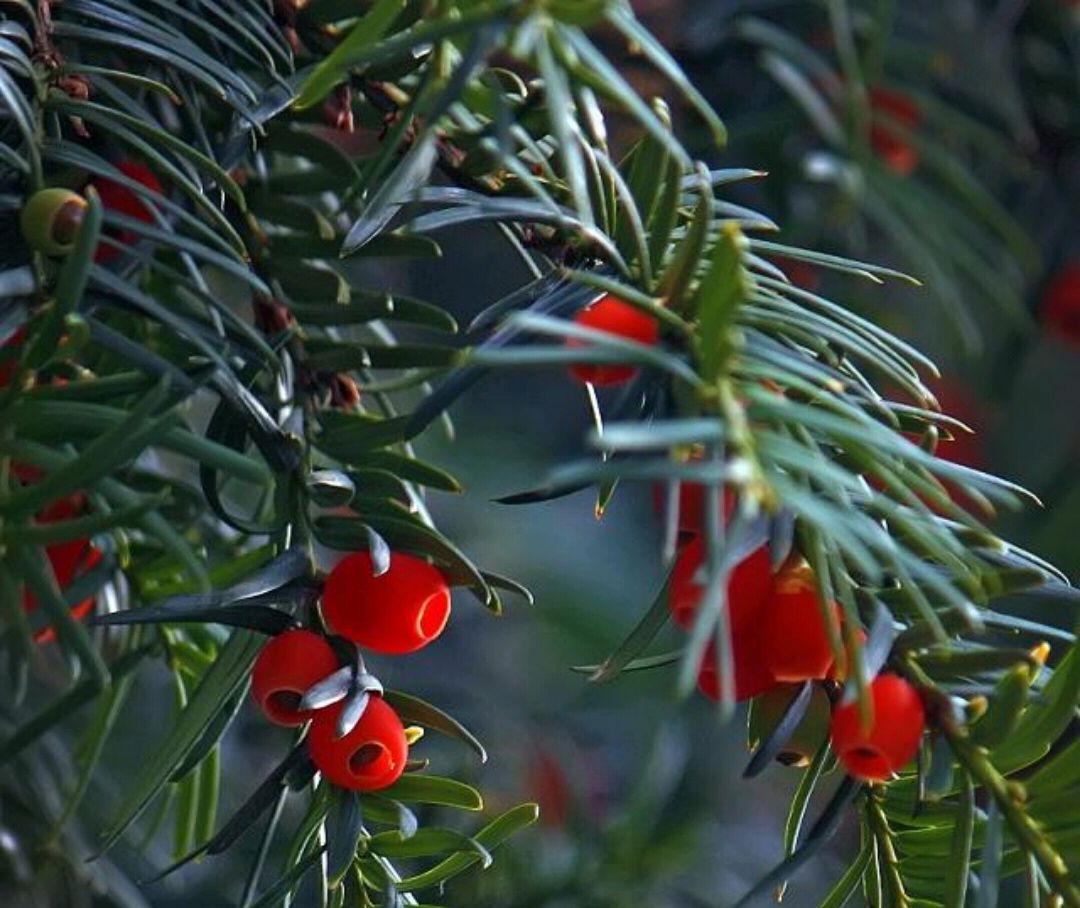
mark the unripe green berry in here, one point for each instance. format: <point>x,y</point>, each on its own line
<point>50,220</point>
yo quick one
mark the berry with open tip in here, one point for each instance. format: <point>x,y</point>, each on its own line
<point>398,611</point>
<point>892,739</point>
<point>285,668</point>
<point>370,757</point>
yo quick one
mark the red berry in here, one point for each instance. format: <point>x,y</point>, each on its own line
<point>286,667</point>
<point>795,637</point>
<point>1061,304</point>
<point>547,784</point>
<point>397,612</point>
<point>25,473</point>
<point>370,757</point>
<point>68,560</point>
<point>691,506</point>
<point>62,509</point>
<point>747,589</point>
<point>892,739</point>
<point>900,115</point>
<point>751,676</point>
<point>801,274</point>
<point>10,359</point>
<point>964,448</point>
<point>122,200</point>
<point>612,315</point>
<point>838,671</point>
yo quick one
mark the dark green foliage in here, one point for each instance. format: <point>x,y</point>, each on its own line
<point>217,388</point>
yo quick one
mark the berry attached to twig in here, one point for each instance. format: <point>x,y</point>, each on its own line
<point>611,315</point>
<point>748,586</point>
<point>751,676</point>
<point>285,668</point>
<point>370,757</point>
<point>891,740</point>
<point>396,612</point>
<point>120,199</point>
<point>796,639</point>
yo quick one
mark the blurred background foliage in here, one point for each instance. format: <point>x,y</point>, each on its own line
<point>641,796</point>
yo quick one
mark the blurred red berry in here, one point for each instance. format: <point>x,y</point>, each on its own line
<point>964,448</point>
<point>801,274</point>
<point>894,116</point>
<point>68,560</point>
<point>272,316</point>
<point>62,509</point>
<point>120,199</point>
<point>1060,306</point>
<point>748,586</point>
<point>285,668</point>
<point>795,638</point>
<point>547,785</point>
<point>751,676</point>
<point>691,506</point>
<point>370,757</point>
<point>344,391</point>
<point>838,671</point>
<point>10,358</point>
<point>613,316</point>
<point>892,739</point>
<point>399,611</point>
<point>26,473</point>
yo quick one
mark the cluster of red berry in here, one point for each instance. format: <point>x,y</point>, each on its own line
<point>397,611</point>
<point>778,627</point>
<point>780,635</point>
